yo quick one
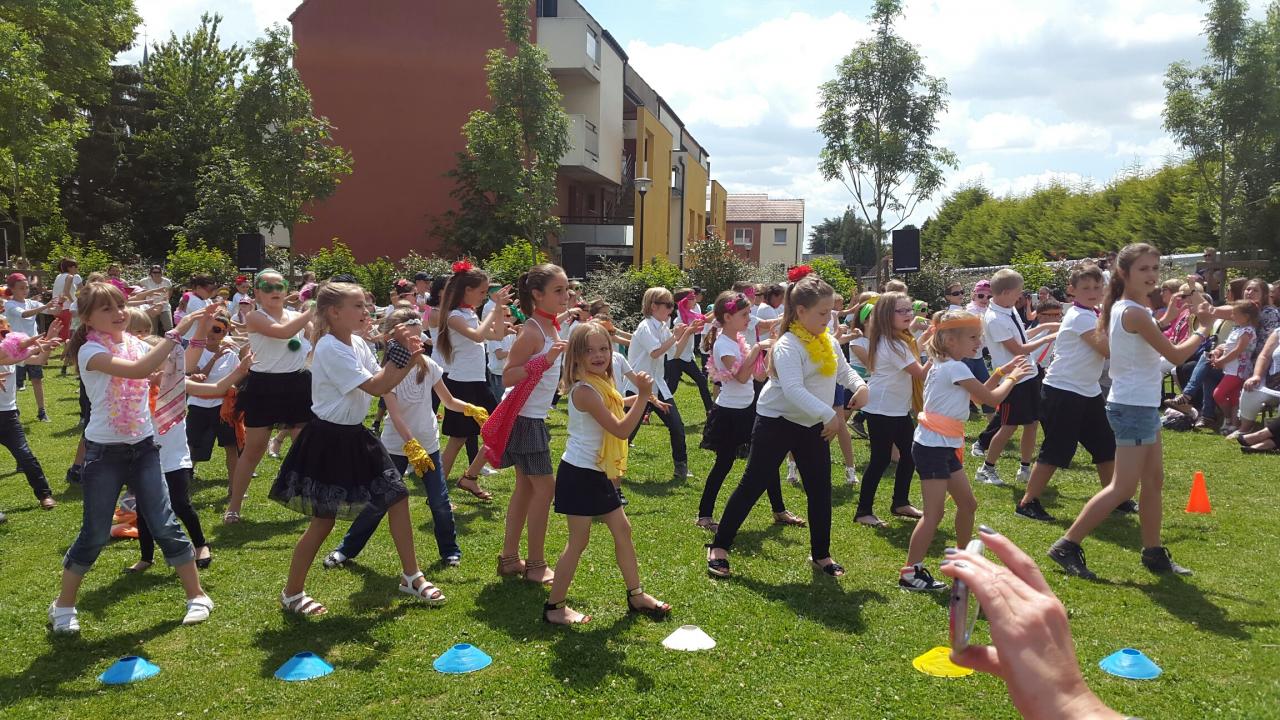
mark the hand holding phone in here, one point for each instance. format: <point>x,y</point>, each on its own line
<point>964,606</point>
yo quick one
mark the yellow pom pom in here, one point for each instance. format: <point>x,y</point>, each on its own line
<point>477,413</point>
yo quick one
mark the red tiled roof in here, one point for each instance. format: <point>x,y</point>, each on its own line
<point>759,208</point>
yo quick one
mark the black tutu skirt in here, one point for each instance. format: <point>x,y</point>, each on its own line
<point>268,399</point>
<point>475,392</point>
<point>727,428</point>
<point>585,492</point>
<point>336,471</point>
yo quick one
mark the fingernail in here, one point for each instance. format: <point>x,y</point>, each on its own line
<point>961,564</point>
<point>986,529</point>
<point>950,551</point>
<point>944,563</point>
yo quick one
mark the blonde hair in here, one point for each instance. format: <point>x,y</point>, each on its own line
<point>400,316</point>
<point>937,345</point>
<point>140,323</point>
<point>881,327</point>
<point>1005,280</point>
<point>653,296</point>
<point>328,296</point>
<point>575,354</point>
<point>895,285</point>
<point>92,295</point>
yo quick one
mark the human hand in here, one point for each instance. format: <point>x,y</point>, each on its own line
<point>55,328</point>
<point>664,407</point>
<point>1031,649</point>
<point>502,296</point>
<point>409,337</point>
<point>557,348</point>
<point>832,427</point>
<point>1252,383</point>
<point>190,319</point>
<point>1020,369</point>
<point>644,384</point>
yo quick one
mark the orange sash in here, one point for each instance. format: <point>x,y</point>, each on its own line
<point>944,426</point>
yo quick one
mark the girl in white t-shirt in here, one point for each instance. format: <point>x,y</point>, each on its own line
<point>937,446</point>
<point>651,343</point>
<point>336,467</point>
<point>207,422</point>
<point>896,386</point>
<point>278,389</point>
<point>595,454</point>
<point>121,449</point>
<point>727,430</point>
<point>1133,409</point>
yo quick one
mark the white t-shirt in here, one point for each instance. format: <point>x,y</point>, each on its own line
<point>1242,366</point>
<point>687,353</point>
<point>800,393</point>
<point>863,343</point>
<point>498,364</point>
<point>1077,366</point>
<point>272,355</point>
<point>8,388</point>
<point>733,394</point>
<point>194,303</point>
<point>649,336</point>
<point>467,357</point>
<point>175,454</point>
<point>415,409</point>
<point>337,372</point>
<point>225,365</point>
<point>60,285</point>
<point>99,429</point>
<point>1003,324</point>
<point>889,386</point>
<point>765,311</point>
<point>943,396</point>
<point>13,310</point>
<point>1135,365</point>
<point>621,369</point>
<point>147,283</point>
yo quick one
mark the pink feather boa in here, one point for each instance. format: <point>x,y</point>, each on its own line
<point>12,347</point>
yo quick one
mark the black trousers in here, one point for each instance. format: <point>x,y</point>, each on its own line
<point>884,433</point>
<point>771,440</point>
<point>179,482</point>
<point>14,439</point>
<point>675,429</point>
<point>675,368</point>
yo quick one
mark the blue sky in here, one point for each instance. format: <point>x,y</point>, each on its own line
<point>1066,90</point>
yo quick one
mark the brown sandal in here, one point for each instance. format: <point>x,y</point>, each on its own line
<point>786,517</point>
<point>479,492</point>
<point>510,565</point>
<point>540,565</point>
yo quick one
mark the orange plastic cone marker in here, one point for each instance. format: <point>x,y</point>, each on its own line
<point>1199,500</point>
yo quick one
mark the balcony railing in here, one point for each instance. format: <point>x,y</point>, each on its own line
<point>596,231</point>
<point>584,144</point>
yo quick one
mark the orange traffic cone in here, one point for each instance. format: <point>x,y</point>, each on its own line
<point>1199,500</point>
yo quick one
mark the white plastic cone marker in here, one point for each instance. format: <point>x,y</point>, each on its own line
<point>690,638</point>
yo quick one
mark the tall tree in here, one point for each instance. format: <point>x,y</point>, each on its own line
<point>506,177</point>
<point>879,116</point>
<point>954,207</point>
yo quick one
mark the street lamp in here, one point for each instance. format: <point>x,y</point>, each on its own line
<point>642,186</point>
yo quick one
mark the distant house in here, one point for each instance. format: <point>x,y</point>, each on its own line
<point>765,231</point>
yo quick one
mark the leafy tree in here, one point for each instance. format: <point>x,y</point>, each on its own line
<point>506,265</point>
<point>414,263</point>
<point>189,258</point>
<point>377,276</point>
<point>336,259</point>
<point>227,196</point>
<point>713,266</point>
<point>879,115</point>
<point>1035,272</point>
<point>505,179</point>
<point>955,206</point>
<point>835,275</point>
<point>90,257</point>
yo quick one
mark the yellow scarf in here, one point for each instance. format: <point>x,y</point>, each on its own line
<point>819,348</point>
<point>917,384</point>
<point>612,457</point>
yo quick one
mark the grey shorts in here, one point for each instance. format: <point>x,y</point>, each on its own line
<point>1134,425</point>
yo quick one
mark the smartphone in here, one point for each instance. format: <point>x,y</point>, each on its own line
<point>964,607</point>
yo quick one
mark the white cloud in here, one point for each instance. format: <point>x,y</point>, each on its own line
<point>1021,132</point>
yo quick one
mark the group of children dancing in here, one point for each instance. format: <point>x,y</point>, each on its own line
<point>786,378</point>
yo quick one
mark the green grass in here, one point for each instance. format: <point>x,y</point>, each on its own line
<point>790,644</point>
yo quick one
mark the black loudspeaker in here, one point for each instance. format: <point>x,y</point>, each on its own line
<point>251,251</point>
<point>573,257</point>
<point>906,250</point>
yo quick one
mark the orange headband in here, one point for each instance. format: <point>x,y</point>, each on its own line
<point>962,322</point>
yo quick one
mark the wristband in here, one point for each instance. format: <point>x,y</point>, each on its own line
<point>197,342</point>
<point>175,337</point>
<point>397,354</point>
<point>997,372</point>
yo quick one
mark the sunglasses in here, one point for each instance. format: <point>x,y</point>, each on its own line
<point>954,293</point>
<point>664,303</point>
<point>980,296</point>
<point>273,287</point>
<point>217,329</point>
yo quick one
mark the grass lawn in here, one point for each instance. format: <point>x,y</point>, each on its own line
<point>791,643</point>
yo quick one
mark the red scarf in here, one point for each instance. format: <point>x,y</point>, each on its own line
<point>555,319</point>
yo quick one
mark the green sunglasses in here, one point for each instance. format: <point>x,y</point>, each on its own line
<point>272,287</point>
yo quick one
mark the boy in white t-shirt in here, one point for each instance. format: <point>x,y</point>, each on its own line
<point>1006,338</point>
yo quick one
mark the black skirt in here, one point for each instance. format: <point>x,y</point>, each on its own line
<point>475,392</point>
<point>268,399</point>
<point>336,471</point>
<point>204,426</point>
<point>727,429</point>
<point>584,492</point>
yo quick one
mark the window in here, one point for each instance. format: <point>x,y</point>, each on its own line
<point>593,46</point>
<point>742,236</point>
<point>779,236</point>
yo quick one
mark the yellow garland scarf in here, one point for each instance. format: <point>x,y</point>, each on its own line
<point>917,384</point>
<point>418,457</point>
<point>612,456</point>
<point>477,413</point>
<point>819,348</point>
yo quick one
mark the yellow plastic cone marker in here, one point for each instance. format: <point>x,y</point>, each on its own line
<point>937,662</point>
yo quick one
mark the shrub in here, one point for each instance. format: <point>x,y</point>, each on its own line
<point>90,257</point>
<point>377,277</point>
<point>506,265</point>
<point>413,263</point>
<point>623,288</point>
<point>1035,271</point>
<point>715,267</point>
<point>834,273</point>
<point>188,258</point>
<point>930,284</point>
<point>333,260</point>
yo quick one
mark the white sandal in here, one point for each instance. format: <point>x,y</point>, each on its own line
<point>302,604</point>
<point>64,620</point>
<point>426,592</point>
<point>198,609</point>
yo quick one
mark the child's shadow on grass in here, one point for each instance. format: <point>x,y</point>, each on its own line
<point>94,601</point>
<point>822,600</point>
<point>752,541</point>
<point>583,656</point>
<point>1190,603</point>
<point>249,531</point>
<point>321,634</point>
<point>68,658</point>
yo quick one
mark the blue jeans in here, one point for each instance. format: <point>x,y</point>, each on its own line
<point>107,469</point>
<point>1204,380</point>
<point>441,514</point>
<point>14,439</point>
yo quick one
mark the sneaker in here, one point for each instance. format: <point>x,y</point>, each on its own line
<point>917,579</point>
<point>1158,560</point>
<point>793,476</point>
<point>63,620</point>
<point>73,475</point>
<point>334,559</point>
<point>856,425</point>
<point>486,471</point>
<point>3,518</point>
<point>1024,474</point>
<point>1071,557</point>
<point>976,449</point>
<point>682,471</point>
<point>850,475</point>
<point>198,610</point>
<point>1033,510</point>
<point>622,498</point>
<point>1128,507</point>
<point>43,416</point>
<point>989,475</point>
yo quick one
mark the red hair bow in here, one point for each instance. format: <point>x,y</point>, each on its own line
<point>798,272</point>
<point>462,266</point>
<point>241,279</point>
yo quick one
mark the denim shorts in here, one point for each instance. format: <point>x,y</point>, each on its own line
<point>1134,425</point>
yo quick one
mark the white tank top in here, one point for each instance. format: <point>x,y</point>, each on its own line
<point>539,401</point>
<point>467,360</point>
<point>585,436</point>
<point>1135,365</point>
<point>272,355</point>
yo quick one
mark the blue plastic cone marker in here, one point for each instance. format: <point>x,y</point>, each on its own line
<point>462,658</point>
<point>303,666</point>
<point>128,669</point>
<point>1130,664</point>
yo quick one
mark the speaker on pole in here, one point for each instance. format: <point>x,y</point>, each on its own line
<point>906,250</point>
<point>573,255</point>
<point>251,251</point>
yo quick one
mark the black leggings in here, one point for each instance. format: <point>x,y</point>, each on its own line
<point>771,440</point>
<point>675,429</point>
<point>719,471</point>
<point>179,482</point>
<point>675,368</point>
<point>886,432</point>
